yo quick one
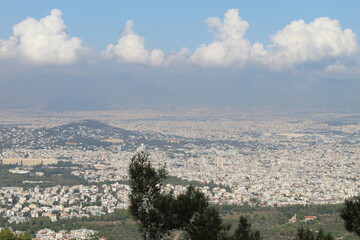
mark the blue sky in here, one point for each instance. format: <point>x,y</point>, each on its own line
<point>264,52</point>
<point>171,25</point>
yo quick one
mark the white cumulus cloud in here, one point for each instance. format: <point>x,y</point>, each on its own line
<point>46,41</point>
<point>130,48</point>
<point>43,42</point>
<point>229,46</point>
<point>299,42</point>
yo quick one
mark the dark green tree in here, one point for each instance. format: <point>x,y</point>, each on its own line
<point>160,213</point>
<point>187,205</point>
<point>146,202</point>
<point>244,231</point>
<point>206,224</point>
<point>351,215</point>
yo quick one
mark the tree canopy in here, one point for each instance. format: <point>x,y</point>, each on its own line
<point>160,213</point>
<point>351,215</point>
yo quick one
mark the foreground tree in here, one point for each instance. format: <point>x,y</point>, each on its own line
<point>351,215</point>
<point>206,224</point>
<point>147,204</point>
<point>160,213</point>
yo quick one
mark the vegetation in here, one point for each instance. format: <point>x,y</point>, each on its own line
<point>159,213</point>
<point>272,222</point>
<point>52,177</point>
<point>351,215</point>
<point>111,226</point>
<point>244,232</point>
<point>7,234</point>
<point>307,234</point>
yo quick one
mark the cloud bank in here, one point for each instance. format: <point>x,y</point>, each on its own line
<point>296,43</point>
<point>42,42</point>
<point>45,41</point>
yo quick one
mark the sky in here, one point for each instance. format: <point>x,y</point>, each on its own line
<point>92,55</point>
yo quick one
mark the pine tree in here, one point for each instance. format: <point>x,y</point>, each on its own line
<point>206,224</point>
<point>147,204</point>
<point>160,213</point>
<point>351,215</point>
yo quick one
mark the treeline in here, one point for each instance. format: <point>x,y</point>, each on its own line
<point>52,177</point>
<point>112,225</point>
<point>288,211</point>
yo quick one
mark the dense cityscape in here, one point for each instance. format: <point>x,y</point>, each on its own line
<point>234,161</point>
